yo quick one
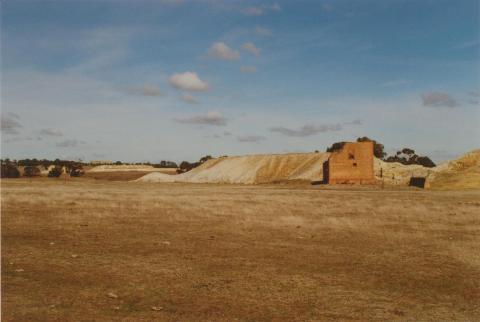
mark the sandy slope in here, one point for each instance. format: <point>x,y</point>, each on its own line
<point>126,167</point>
<point>251,169</point>
<point>463,173</point>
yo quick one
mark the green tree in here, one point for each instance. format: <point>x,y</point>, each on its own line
<point>31,171</point>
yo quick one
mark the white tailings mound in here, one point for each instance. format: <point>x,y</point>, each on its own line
<point>251,169</point>
<point>126,167</point>
<point>395,173</point>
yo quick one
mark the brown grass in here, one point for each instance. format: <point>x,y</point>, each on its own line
<point>228,252</point>
<point>461,179</point>
<point>116,175</point>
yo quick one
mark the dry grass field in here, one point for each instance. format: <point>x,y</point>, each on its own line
<point>99,250</point>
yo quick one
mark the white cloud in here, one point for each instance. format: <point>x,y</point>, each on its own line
<point>248,69</point>
<point>251,48</point>
<point>211,118</point>
<point>50,132</point>
<point>221,50</point>
<point>189,98</point>
<point>251,138</point>
<point>188,81</point>
<point>438,99</point>
<point>306,130</point>
<point>261,31</point>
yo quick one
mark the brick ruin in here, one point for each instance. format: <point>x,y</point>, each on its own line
<point>352,165</point>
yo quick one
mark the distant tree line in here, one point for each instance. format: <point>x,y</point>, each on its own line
<point>405,156</point>
<point>408,156</point>
<point>33,167</point>
<point>161,164</point>
<point>43,163</point>
<point>9,170</point>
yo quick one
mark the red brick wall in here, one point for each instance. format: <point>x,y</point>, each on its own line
<point>353,164</point>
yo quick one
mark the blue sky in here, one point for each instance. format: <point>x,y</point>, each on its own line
<point>171,79</point>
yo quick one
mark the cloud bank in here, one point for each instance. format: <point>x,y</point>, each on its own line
<point>211,118</point>
<point>248,69</point>
<point>251,138</point>
<point>251,48</point>
<point>188,81</point>
<point>72,143</point>
<point>306,130</point>
<point>438,99</point>
<point>50,132</point>
<point>261,31</point>
<point>221,50</point>
<point>189,99</point>
<point>9,124</point>
<point>145,90</point>
<point>261,9</point>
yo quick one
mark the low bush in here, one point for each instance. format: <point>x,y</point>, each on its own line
<point>76,171</point>
<point>9,171</point>
<point>31,171</point>
<point>55,172</point>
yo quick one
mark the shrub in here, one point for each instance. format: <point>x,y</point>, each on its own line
<point>205,159</point>
<point>9,171</point>
<point>337,146</point>
<point>426,162</point>
<point>55,172</point>
<point>31,171</point>
<point>76,170</point>
<point>187,166</point>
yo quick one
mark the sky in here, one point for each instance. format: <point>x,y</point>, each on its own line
<point>176,80</point>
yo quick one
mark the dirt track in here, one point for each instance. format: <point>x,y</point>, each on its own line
<point>227,252</point>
